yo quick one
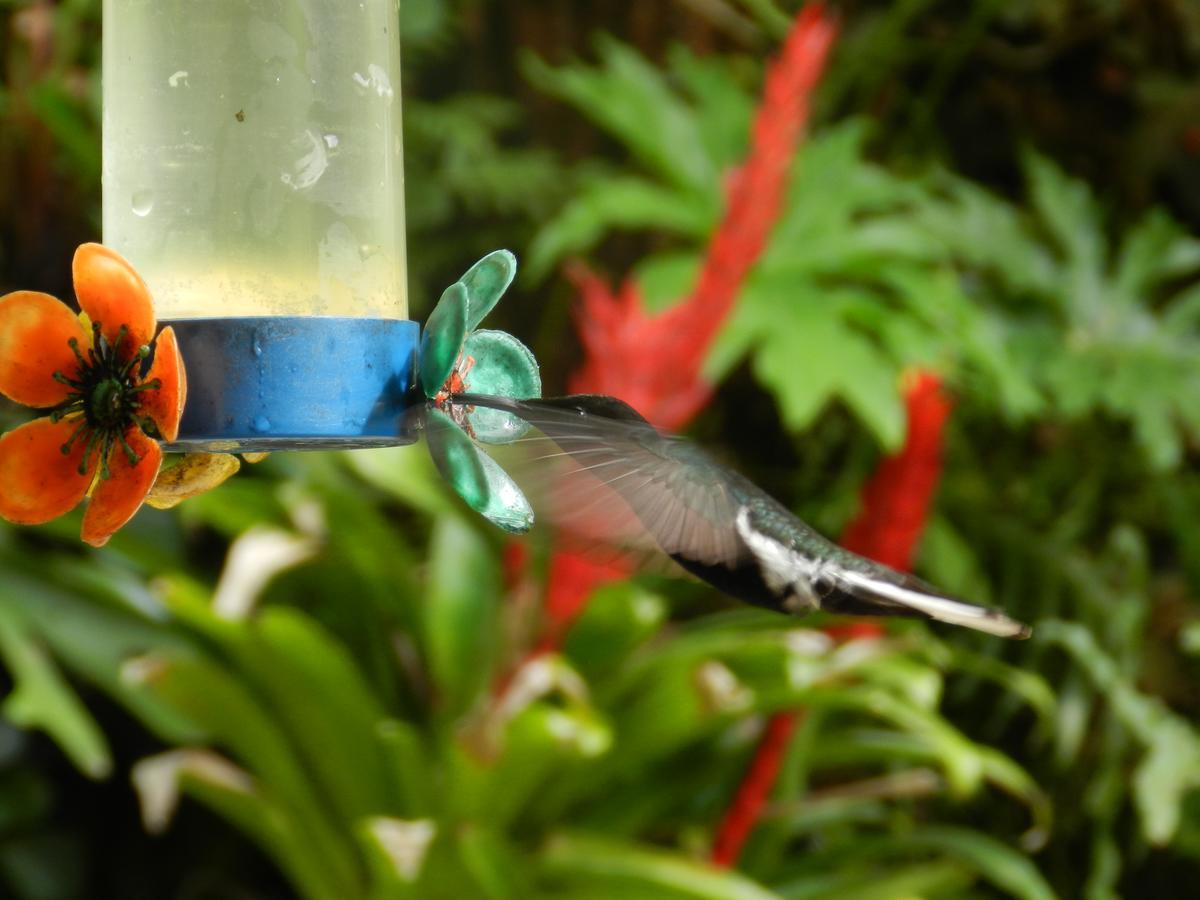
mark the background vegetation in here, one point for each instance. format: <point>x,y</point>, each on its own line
<point>308,683</point>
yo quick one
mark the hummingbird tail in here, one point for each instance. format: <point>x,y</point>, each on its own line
<point>862,594</point>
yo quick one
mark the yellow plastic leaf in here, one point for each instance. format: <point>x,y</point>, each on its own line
<point>195,474</point>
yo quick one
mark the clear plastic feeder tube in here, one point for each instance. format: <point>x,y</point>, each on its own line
<point>253,163</point>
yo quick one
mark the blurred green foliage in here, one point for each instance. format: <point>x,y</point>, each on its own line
<point>321,652</point>
<point>1041,317</point>
<point>371,756</point>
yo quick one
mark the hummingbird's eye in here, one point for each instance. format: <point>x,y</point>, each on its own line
<point>822,585</point>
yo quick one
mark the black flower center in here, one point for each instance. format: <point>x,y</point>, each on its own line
<point>104,397</point>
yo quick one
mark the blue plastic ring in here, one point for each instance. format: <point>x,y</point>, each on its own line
<point>295,383</point>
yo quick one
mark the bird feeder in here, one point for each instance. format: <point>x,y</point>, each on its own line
<point>253,174</point>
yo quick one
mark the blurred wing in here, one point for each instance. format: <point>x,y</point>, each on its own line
<point>600,472</point>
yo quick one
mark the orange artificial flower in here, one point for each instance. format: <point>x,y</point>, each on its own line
<point>107,407</point>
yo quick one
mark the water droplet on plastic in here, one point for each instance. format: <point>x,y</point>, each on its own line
<point>376,81</point>
<point>262,425</point>
<point>311,164</point>
<point>142,203</point>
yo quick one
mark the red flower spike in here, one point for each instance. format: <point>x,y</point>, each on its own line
<point>572,578</point>
<point>895,507</point>
<point>653,362</point>
<point>514,563</point>
<point>103,416</point>
<point>751,798</point>
<point>896,501</point>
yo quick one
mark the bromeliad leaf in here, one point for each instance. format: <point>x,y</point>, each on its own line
<point>41,698</point>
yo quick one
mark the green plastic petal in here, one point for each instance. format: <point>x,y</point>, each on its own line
<point>445,332</point>
<point>503,366</point>
<point>475,476</point>
<point>486,282</point>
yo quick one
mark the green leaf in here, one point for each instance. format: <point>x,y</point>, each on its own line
<point>617,619</point>
<point>397,852</point>
<point>1164,778</point>
<point>495,865</point>
<point>948,559</point>
<point>597,861</point>
<point>1154,250</point>
<point>231,793</point>
<point>1000,864</point>
<point>460,615</point>
<point>724,107</point>
<point>605,204</point>
<point>540,742</point>
<point>69,122</point>
<point>221,704</point>
<point>989,235</point>
<point>631,99</point>
<point>933,879</point>
<point>41,699</point>
<point>1170,769</point>
<point>775,21</point>
<point>665,278</point>
<point>1072,216</point>
<point>962,761</point>
<point>408,761</point>
<point>1068,207</point>
<point>237,507</point>
<point>405,473</point>
<point>93,642</point>
<point>317,695</point>
<point>1182,315</point>
<point>807,357</point>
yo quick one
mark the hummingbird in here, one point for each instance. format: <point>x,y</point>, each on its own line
<point>614,474</point>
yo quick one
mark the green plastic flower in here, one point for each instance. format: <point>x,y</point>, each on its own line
<point>457,357</point>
